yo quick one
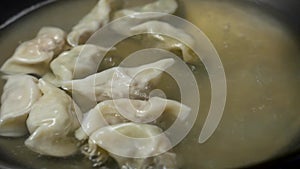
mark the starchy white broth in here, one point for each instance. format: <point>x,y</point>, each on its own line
<point>261,60</point>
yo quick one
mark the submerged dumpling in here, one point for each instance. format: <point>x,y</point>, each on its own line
<point>180,38</point>
<point>79,62</point>
<point>52,122</point>
<point>35,55</point>
<point>117,82</point>
<point>88,25</point>
<point>162,6</point>
<point>134,145</point>
<point>19,94</point>
<point>155,110</point>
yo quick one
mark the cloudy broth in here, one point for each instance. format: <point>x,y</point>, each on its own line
<point>261,57</point>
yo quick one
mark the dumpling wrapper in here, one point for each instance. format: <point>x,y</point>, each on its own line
<point>140,14</point>
<point>52,122</point>
<point>117,82</point>
<point>135,145</point>
<point>78,63</point>
<point>111,112</point>
<point>99,16</point>
<point>19,94</point>
<point>35,55</point>
<point>180,38</point>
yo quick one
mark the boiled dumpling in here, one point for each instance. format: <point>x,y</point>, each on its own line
<point>52,122</point>
<point>79,62</point>
<point>135,145</point>
<point>179,39</point>
<point>117,82</point>
<point>102,115</point>
<point>19,94</point>
<point>141,14</point>
<point>110,112</point>
<point>35,55</point>
<point>162,6</point>
<point>88,25</point>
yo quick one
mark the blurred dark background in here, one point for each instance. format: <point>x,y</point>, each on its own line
<point>10,8</point>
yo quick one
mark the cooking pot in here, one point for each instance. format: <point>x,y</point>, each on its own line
<point>285,10</point>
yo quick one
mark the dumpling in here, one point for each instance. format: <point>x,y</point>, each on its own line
<point>52,122</point>
<point>134,145</point>
<point>140,14</point>
<point>156,110</point>
<point>101,115</point>
<point>88,25</point>
<point>79,62</point>
<point>179,39</point>
<point>162,6</point>
<point>35,55</point>
<point>117,82</point>
<point>19,94</point>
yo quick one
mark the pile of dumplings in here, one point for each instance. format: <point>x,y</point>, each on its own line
<point>36,99</point>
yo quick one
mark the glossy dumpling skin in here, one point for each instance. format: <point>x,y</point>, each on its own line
<point>79,62</point>
<point>88,25</point>
<point>115,83</point>
<point>19,94</point>
<point>52,122</point>
<point>35,55</point>
<point>182,39</point>
<point>143,148</point>
<point>111,112</point>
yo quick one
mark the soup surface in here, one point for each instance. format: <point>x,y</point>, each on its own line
<point>261,58</point>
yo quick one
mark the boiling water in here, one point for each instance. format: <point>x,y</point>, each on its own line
<point>261,59</point>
